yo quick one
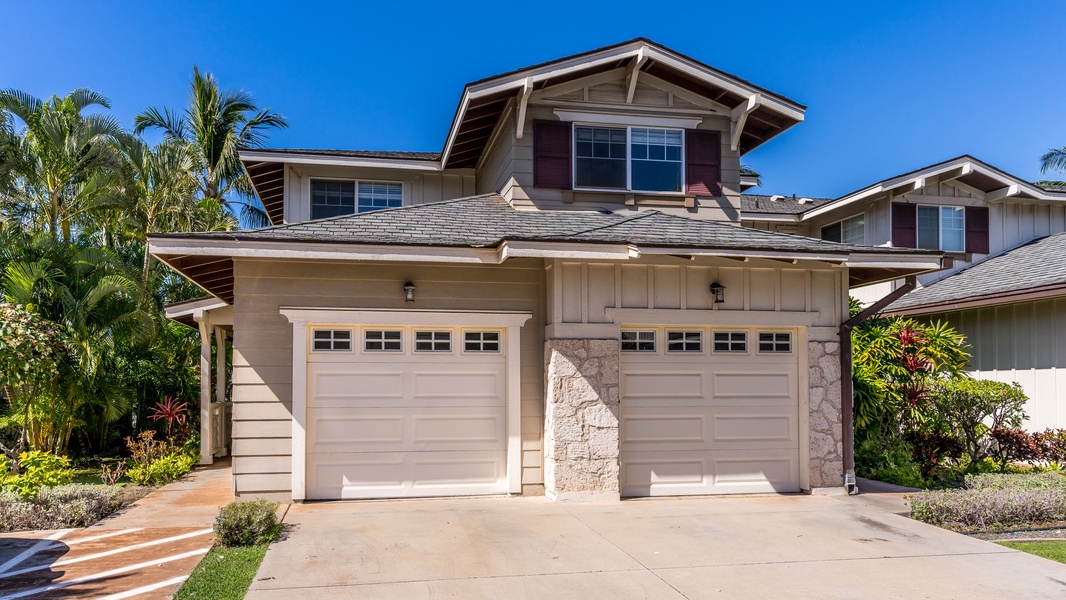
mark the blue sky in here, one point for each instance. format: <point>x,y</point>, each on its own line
<point>890,86</point>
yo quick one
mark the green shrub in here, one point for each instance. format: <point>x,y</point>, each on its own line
<point>982,509</point>
<point>247,523</point>
<point>892,464</point>
<point>1016,481</point>
<point>64,506</point>
<point>38,470</point>
<point>162,470</point>
<point>970,408</point>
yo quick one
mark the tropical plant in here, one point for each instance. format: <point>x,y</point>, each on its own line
<point>171,411</point>
<point>61,157</point>
<point>36,470</point>
<point>970,408</point>
<point>218,125</point>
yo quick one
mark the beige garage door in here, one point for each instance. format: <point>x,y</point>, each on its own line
<point>709,411</point>
<point>405,412</point>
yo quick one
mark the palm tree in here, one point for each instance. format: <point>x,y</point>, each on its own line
<point>218,124</point>
<point>58,154</point>
<point>1053,160</point>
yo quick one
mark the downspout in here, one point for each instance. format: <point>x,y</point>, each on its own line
<point>847,390</point>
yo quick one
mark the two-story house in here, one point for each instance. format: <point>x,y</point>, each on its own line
<point>560,301</point>
<point>1006,289</point>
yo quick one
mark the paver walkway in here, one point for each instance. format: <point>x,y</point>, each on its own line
<point>146,551</point>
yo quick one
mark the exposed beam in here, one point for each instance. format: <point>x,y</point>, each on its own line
<point>969,189</point>
<point>739,116</point>
<point>1002,193</point>
<point>523,99</point>
<point>634,70</point>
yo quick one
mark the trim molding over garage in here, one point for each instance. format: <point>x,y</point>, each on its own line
<point>646,316</point>
<point>302,318</point>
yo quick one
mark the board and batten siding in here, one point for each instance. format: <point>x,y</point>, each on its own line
<point>262,344</point>
<point>419,187</point>
<point>581,292</point>
<point>506,167</point>
<point>1023,342</point>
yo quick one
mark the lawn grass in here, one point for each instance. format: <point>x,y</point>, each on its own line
<point>1051,550</point>
<point>223,574</point>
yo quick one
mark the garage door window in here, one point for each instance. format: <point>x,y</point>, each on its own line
<point>481,341</point>
<point>775,342</point>
<point>332,339</point>
<point>377,340</point>
<point>730,341</point>
<point>433,341</point>
<point>684,341</point>
<point>638,341</point>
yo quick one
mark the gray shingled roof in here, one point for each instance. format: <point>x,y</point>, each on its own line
<point>386,154</point>
<point>1040,263</point>
<point>488,220</point>
<point>757,203</point>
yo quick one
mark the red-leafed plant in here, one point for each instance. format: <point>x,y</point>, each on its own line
<point>171,411</point>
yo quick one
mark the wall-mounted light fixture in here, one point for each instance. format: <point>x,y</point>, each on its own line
<point>719,292</point>
<point>409,290</point>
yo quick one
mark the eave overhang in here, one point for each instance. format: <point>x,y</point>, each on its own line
<point>765,114</point>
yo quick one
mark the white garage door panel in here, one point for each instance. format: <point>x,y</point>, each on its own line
<point>405,474</point>
<point>709,423</point>
<point>398,429</point>
<point>407,423</point>
<point>675,473</point>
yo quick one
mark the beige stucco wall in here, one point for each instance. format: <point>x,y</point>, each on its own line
<point>262,344</point>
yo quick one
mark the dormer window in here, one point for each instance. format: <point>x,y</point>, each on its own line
<point>848,231</point>
<point>639,159</point>
<point>335,198</point>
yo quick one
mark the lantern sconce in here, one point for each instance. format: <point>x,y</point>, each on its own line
<point>719,292</point>
<point>409,290</point>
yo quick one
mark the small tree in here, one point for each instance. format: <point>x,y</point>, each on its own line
<point>970,408</point>
<point>30,353</point>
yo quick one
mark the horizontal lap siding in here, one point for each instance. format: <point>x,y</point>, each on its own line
<point>262,358</point>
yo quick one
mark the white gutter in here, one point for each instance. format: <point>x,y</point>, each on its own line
<point>251,156</point>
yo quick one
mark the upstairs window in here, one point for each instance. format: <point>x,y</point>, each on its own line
<point>848,231</point>
<point>332,198</point>
<point>942,228</point>
<point>628,158</point>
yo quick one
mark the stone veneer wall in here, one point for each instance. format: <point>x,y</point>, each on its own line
<point>826,444</point>
<point>581,419</point>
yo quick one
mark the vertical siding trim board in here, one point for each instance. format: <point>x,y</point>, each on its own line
<point>977,229</point>
<point>703,162</point>
<point>303,319</point>
<point>904,225</point>
<point>552,160</point>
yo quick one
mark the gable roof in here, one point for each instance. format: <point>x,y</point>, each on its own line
<point>1036,267</point>
<point>483,101</point>
<point>487,229</point>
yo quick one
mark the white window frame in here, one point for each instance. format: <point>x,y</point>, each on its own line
<point>730,342</point>
<point>482,332</point>
<point>684,341</point>
<point>383,331</point>
<point>629,158</point>
<point>841,223</point>
<point>355,181</point>
<point>332,339</point>
<point>654,341</point>
<point>791,342</point>
<point>450,339</point>
<point>940,226</point>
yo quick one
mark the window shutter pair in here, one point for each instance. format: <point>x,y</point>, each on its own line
<point>905,227</point>
<point>553,158</point>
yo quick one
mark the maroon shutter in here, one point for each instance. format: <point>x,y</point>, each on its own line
<point>551,155</point>
<point>703,163</point>
<point>904,225</point>
<point>977,229</point>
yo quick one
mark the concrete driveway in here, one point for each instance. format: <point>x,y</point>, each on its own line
<point>710,547</point>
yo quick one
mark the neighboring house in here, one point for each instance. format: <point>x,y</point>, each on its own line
<point>562,301</point>
<point>1006,290</point>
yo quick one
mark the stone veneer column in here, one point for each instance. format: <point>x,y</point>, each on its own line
<point>826,443</point>
<point>581,419</point>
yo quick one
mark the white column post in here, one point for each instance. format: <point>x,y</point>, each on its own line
<point>514,409</point>
<point>205,387</point>
<point>220,365</point>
